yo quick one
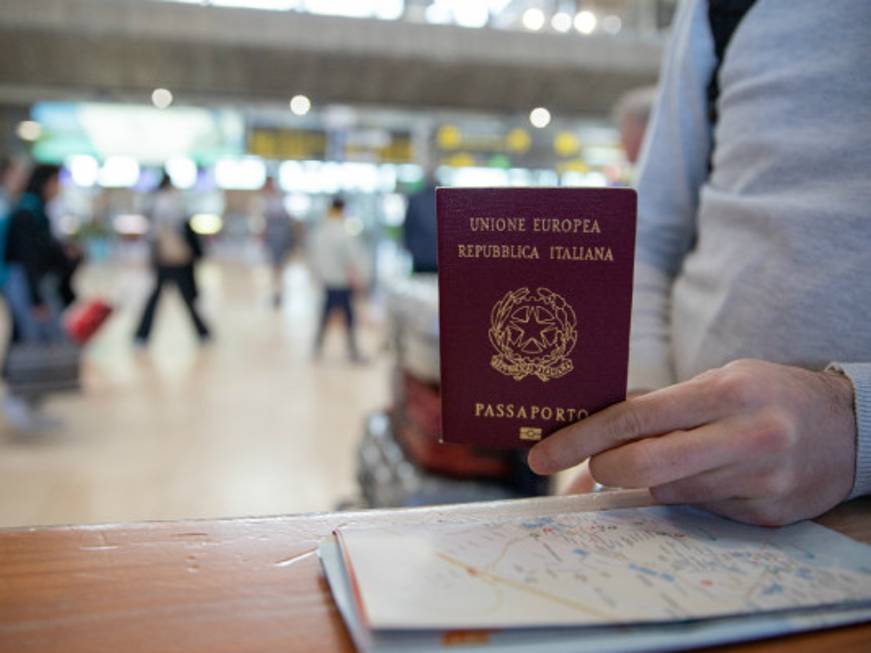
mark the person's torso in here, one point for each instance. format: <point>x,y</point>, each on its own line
<point>278,228</point>
<point>169,218</point>
<point>28,236</point>
<point>332,253</point>
<point>782,264</point>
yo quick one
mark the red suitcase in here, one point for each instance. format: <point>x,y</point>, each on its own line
<point>84,320</point>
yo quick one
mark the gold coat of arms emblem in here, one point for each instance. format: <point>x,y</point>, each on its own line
<point>533,333</point>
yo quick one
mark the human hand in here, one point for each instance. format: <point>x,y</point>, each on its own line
<point>754,441</point>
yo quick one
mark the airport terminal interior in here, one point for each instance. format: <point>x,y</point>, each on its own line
<point>256,121</point>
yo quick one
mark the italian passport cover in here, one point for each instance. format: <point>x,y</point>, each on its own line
<point>535,296</point>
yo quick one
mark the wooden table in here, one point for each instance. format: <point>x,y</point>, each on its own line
<point>243,584</point>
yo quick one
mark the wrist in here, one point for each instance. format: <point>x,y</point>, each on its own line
<point>859,374</point>
<point>839,398</point>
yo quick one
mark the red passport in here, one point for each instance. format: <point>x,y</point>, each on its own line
<point>535,296</point>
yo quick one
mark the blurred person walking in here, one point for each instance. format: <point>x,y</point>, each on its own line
<point>35,263</point>
<point>175,250</point>
<point>339,263</point>
<point>278,235</point>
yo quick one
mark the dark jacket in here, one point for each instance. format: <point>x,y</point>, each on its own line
<point>419,230</point>
<point>30,243</point>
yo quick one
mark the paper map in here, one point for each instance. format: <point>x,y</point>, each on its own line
<point>620,566</point>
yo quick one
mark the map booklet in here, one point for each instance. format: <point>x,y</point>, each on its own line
<point>535,296</point>
<point>651,578</point>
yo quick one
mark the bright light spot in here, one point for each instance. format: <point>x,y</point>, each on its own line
<point>449,137</point>
<point>539,117</point>
<point>300,105</point>
<point>572,178</point>
<point>207,224</point>
<point>289,175</point>
<point>354,226</point>
<point>182,171</point>
<point>69,224</point>
<point>84,170</point>
<point>361,177</point>
<point>339,116</point>
<point>298,205</point>
<point>247,173</point>
<point>533,19</point>
<point>438,14</point>
<point>546,177</point>
<point>389,9</point>
<point>518,140</point>
<point>29,130</point>
<point>383,9</point>
<point>566,144</point>
<point>561,22</point>
<point>409,173</point>
<point>130,224</point>
<point>596,179</point>
<point>612,24</point>
<point>161,98</point>
<point>308,177</point>
<point>393,210</point>
<point>602,155</point>
<point>387,178</point>
<point>585,22</point>
<point>476,176</point>
<point>471,14</point>
<point>119,172</point>
<point>275,5</point>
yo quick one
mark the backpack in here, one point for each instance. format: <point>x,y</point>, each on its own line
<point>724,16</point>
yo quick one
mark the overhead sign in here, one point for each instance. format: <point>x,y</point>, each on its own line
<point>144,133</point>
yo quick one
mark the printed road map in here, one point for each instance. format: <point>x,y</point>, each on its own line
<point>620,566</point>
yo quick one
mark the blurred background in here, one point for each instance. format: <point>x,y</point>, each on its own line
<point>214,160</point>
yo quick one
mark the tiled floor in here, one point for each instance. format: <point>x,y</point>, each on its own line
<point>249,425</point>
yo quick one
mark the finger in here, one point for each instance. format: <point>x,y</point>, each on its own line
<point>673,456</point>
<point>583,483</point>
<point>729,482</point>
<point>762,512</point>
<point>678,407</point>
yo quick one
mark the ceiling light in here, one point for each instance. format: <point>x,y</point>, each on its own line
<point>561,22</point>
<point>161,98</point>
<point>29,130</point>
<point>84,170</point>
<point>300,105</point>
<point>533,19</point>
<point>612,24</point>
<point>585,22</point>
<point>539,117</point>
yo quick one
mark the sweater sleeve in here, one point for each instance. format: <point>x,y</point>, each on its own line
<point>672,169</point>
<point>860,376</point>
